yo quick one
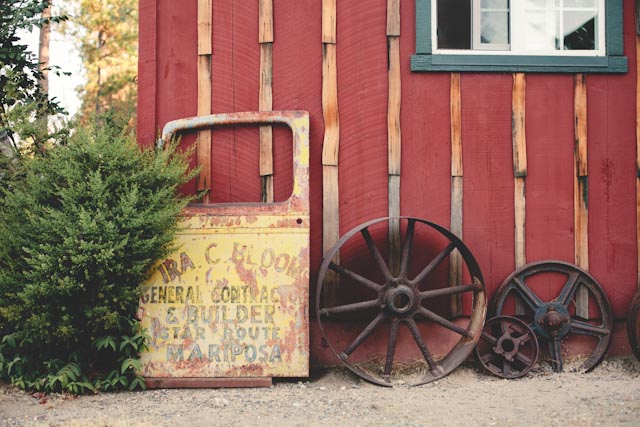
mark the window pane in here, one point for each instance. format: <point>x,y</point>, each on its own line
<point>580,3</point>
<point>579,30</point>
<point>454,24</point>
<point>494,27</point>
<point>542,31</point>
<point>542,4</point>
<point>495,4</point>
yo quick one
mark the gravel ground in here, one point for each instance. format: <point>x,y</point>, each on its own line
<point>608,396</point>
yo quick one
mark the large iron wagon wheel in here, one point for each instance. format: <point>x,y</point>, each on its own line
<point>560,318</point>
<point>633,325</point>
<point>402,298</point>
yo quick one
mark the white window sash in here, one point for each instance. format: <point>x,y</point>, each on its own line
<point>517,18</point>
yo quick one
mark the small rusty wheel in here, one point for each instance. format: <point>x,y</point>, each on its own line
<point>560,318</point>
<point>508,347</point>
<point>633,325</point>
<point>402,298</point>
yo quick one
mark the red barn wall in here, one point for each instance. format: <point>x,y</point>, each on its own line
<point>168,90</point>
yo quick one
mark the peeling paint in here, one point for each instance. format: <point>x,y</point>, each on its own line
<point>232,301</point>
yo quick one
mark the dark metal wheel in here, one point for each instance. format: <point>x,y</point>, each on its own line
<point>508,347</point>
<point>560,318</point>
<point>633,325</point>
<point>404,298</point>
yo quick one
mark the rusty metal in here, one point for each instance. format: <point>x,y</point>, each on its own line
<point>633,325</point>
<point>508,347</point>
<point>400,299</point>
<point>555,320</point>
<point>232,300</point>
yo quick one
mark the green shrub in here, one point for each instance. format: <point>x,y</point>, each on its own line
<point>78,235</point>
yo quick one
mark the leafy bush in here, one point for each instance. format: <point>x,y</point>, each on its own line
<point>78,236</point>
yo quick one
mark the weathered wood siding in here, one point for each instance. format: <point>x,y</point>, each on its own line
<point>488,205</point>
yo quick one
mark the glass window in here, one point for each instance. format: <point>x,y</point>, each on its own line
<point>521,27</point>
<point>519,35</point>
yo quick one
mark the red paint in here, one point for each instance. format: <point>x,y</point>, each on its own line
<point>612,170</point>
<point>297,83</point>
<point>488,173</point>
<point>147,56</point>
<point>362,97</point>
<point>168,90</point>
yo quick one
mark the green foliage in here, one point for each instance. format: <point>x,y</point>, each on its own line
<point>78,236</point>
<point>19,69</point>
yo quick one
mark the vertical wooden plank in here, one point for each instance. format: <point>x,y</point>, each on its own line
<point>329,29</point>
<point>393,114</point>
<point>393,18</point>
<point>205,49</point>
<point>331,146</point>
<point>519,139</point>
<point>266,132</point>
<point>204,137</point>
<point>519,143</point>
<point>456,126</point>
<point>331,143</point>
<point>457,187</point>
<point>519,198</point>
<point>265,34</point>
<point>581,190</point>
<point>394,140</point>
<point>455,261</point>
<point>330,228</point>
<point>204,27</point>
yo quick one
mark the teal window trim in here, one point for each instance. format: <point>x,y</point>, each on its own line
<point>613,62</point>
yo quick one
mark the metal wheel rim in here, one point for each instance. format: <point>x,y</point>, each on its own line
<point>633,325</point>
<point>576,276</point>
<point>461,350</point>
<point>517,360</point>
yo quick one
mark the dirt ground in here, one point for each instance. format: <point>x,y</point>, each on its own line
<point>608,396</point>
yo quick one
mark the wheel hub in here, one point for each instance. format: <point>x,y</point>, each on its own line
<point>400,299</point>
<point>552,321</point>
<point>506,347</point>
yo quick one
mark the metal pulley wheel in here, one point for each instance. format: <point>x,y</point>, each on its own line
<point>384,300</point>
<point>508,347</point>
<point>579,309</point>
<point>633,325</point>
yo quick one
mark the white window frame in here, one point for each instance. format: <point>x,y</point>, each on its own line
<point>517,42</point>
<point>476,26</point>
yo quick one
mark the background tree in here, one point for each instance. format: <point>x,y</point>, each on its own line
<point>106,33</point>
<point>21,99</point>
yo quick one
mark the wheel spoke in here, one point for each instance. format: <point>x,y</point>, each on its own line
<point>375,253</point>
<point>355,276</point>
<point>433,367</point>
<point>555,351</point>
<point>523,339</point>
<point>391,349</point>
<point>506,368</point>
<point>363,335</point>
<point>406,249</point>
<point>434,264</point>
<point>453,290</point>
<point>488,357</point>
<point>349,308</point>
<point>523,359</point>
<point>444,322</point>
<point>529,297</point>
<point>505,328</point>
<point>489,338</point>
<point>584,328</point>
<point>569,289</point>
